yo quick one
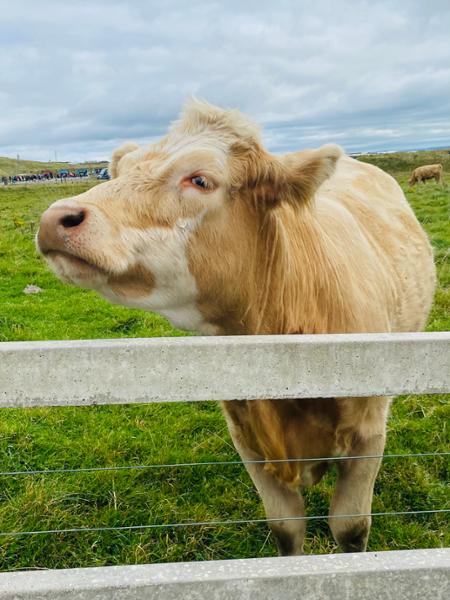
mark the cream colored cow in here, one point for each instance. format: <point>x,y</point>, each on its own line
<point>422,174</point>
<point>209,229</point>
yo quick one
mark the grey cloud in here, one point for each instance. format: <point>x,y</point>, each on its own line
<point>82,77</point>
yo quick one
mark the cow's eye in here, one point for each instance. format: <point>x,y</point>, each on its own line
<point>200,181</point>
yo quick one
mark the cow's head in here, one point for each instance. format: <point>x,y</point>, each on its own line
<point>179,229</point>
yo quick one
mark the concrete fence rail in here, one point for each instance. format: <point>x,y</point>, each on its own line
<point>227,368</point>
<point>222,368</point>
<point>407,575</point>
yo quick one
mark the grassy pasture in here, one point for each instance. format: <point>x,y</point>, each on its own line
<point>132,435</point>
<point>397,163</point>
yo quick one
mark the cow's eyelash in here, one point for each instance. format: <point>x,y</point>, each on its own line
<point>200,181</point>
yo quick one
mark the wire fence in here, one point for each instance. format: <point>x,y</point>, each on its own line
<point>222,522</point>
<point>222,463</point>
<point>219,523</point>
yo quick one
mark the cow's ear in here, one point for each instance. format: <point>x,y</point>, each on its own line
<point>307,170</point>
<point>117,156</point>
<point>292,178</point>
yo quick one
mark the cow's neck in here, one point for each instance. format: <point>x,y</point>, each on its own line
<point>278,283</point>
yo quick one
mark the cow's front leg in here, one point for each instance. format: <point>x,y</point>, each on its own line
<point>278,499</point>
<point>353,494</point>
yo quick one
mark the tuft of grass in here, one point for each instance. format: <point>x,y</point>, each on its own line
<point>84,437</point>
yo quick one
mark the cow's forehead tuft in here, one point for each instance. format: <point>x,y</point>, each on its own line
<point>200,116</point>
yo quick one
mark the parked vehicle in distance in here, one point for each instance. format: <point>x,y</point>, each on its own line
<point>104,174</point>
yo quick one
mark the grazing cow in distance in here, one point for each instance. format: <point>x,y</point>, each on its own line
<point>421,174</point>
<point>210,230</point>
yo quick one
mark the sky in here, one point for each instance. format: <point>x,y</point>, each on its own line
<point>78,78</point>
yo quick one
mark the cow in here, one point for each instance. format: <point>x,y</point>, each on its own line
<point>421,174</point>
<point>209,229</point>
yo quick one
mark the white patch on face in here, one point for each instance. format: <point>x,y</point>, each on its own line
<point>163,252</point>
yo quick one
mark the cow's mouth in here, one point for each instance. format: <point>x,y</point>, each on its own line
<point>77,261</point>
<point>73,268</point>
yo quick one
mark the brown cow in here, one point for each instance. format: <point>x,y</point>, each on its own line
<point>421,174</point>
<point>209,229</point>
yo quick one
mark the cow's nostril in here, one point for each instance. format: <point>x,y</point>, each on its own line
<point>73,220</point>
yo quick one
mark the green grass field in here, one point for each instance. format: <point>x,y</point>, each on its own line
<point>133,435</point>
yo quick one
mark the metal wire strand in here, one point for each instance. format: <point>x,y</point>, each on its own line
<point>219,523</point>
<point>217,463</point>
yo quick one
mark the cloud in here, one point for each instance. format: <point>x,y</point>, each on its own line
<point>82,77</point>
